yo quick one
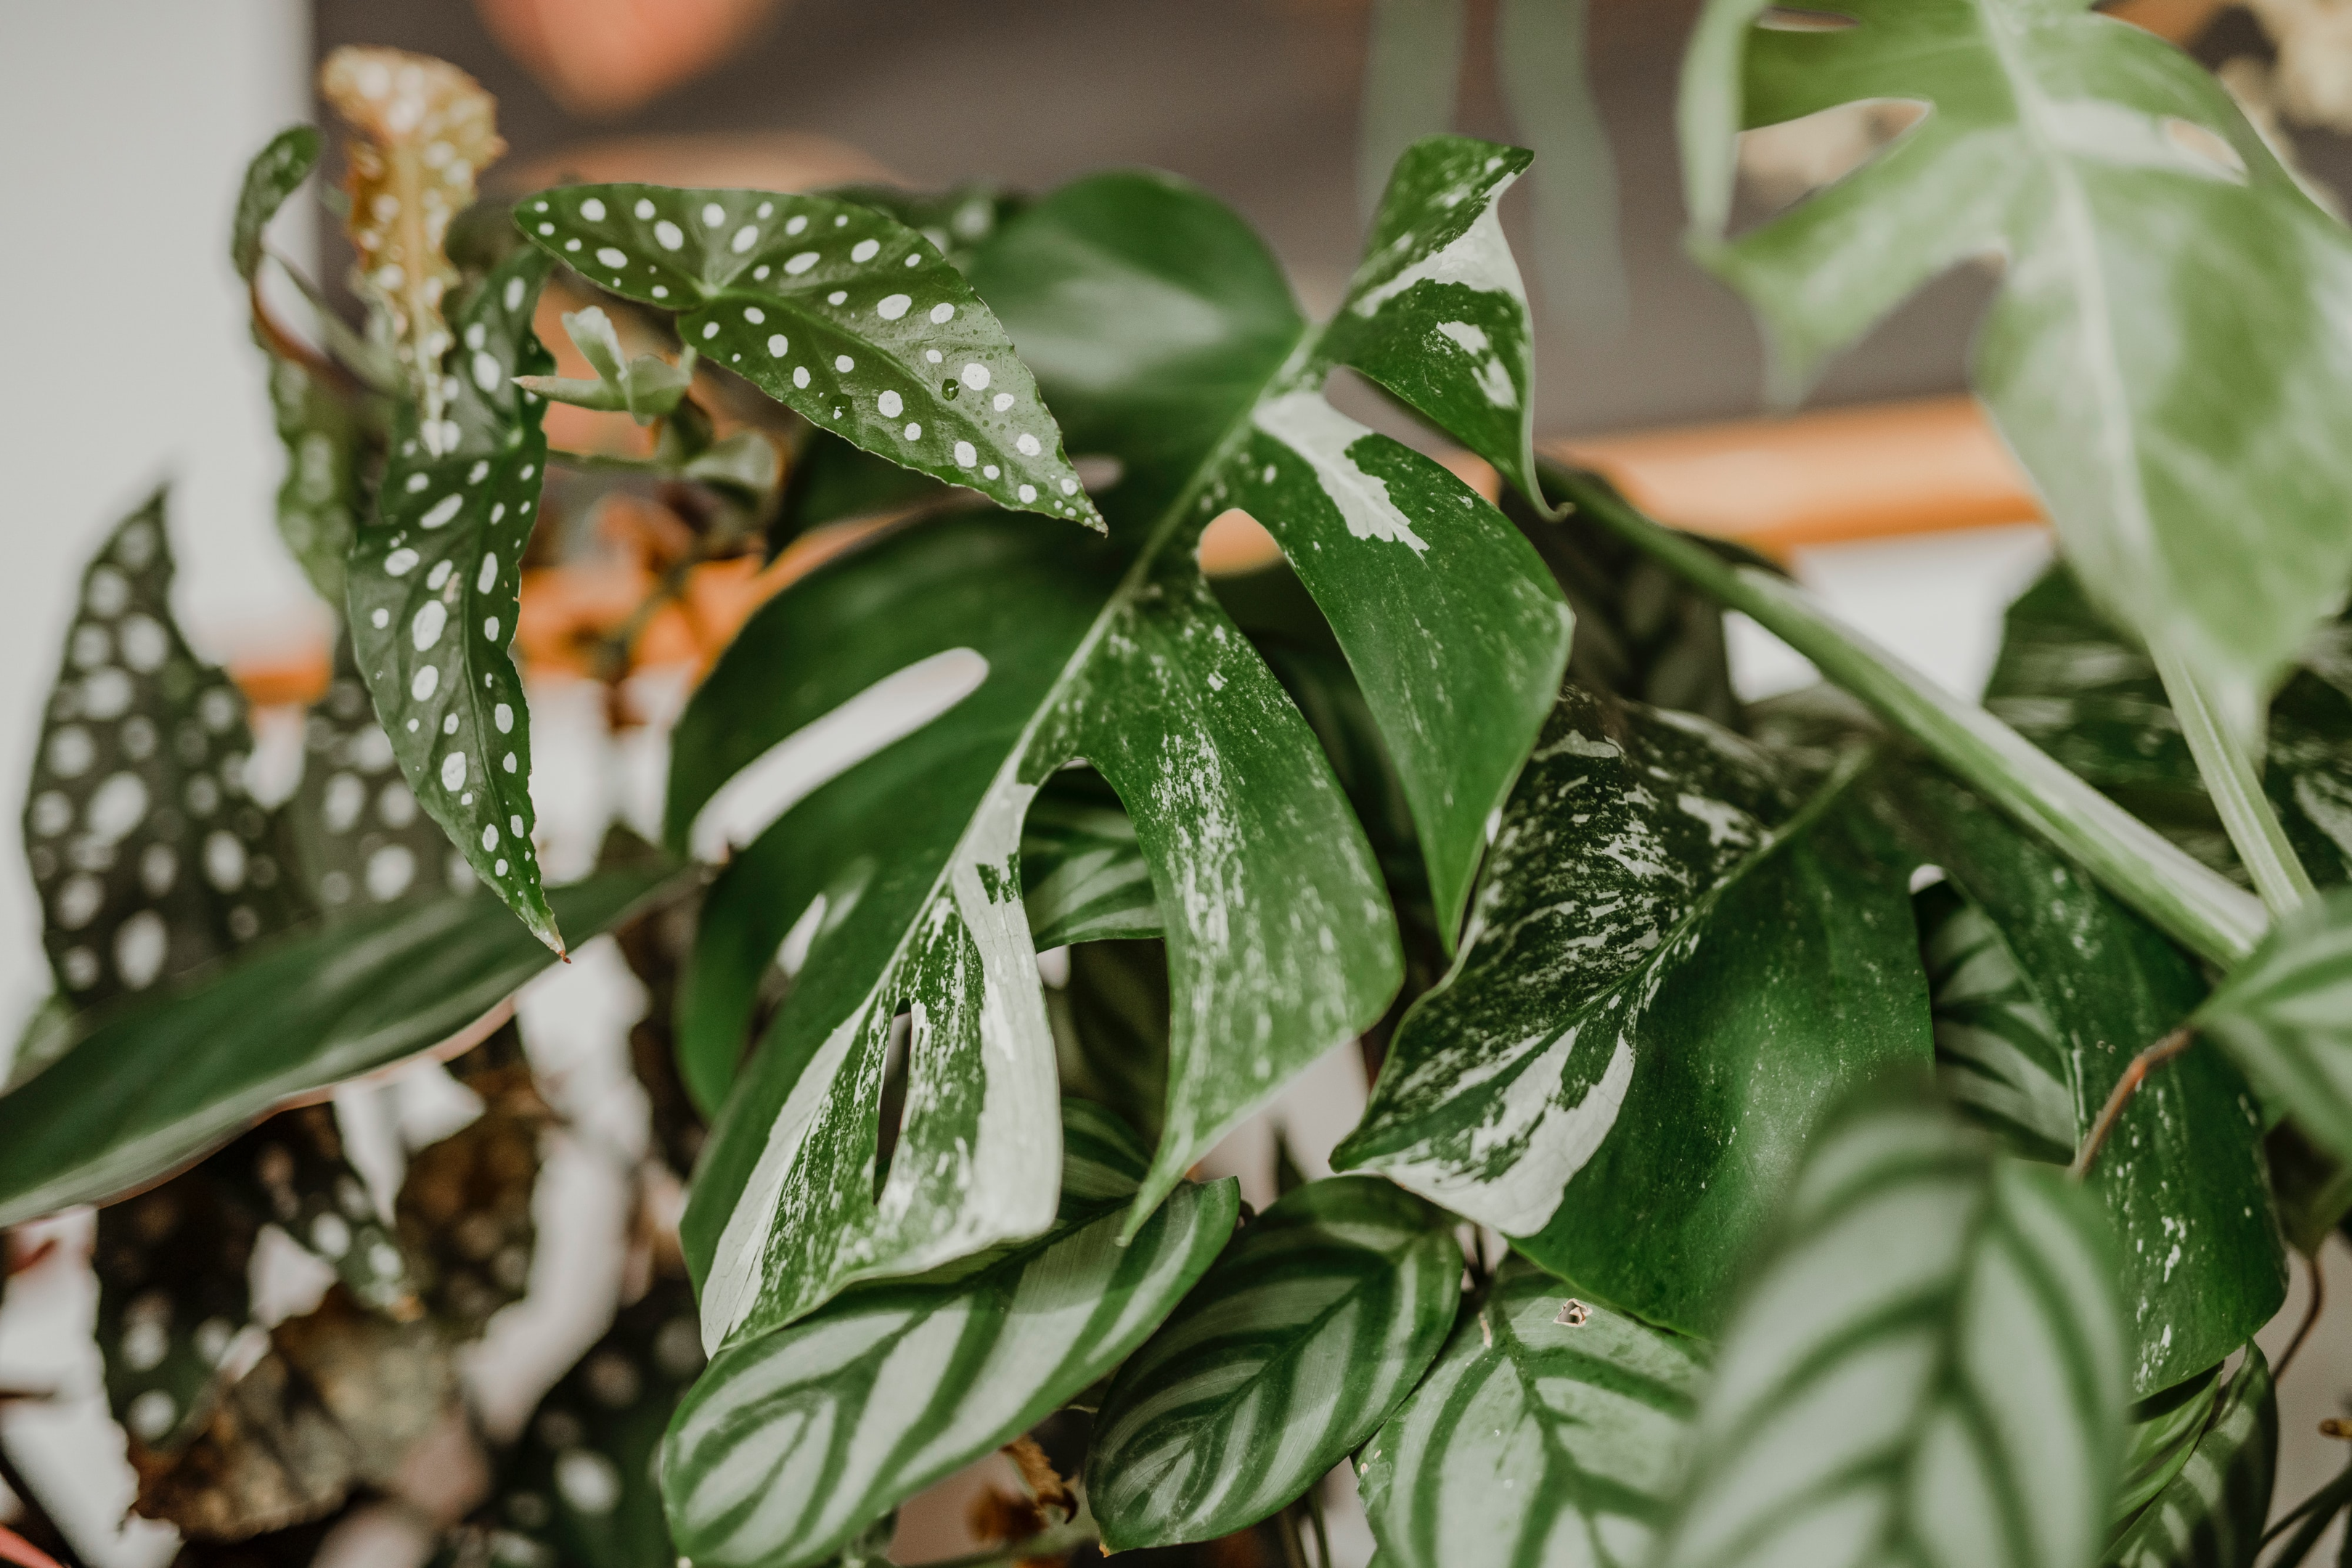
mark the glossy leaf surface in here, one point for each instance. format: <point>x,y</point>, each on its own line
<point>1319,1317</point>
<point>149,853</point>
<point>2285,1017</point>
<point>1549,1431</point>
<point>2046,987</point>
<point>841,313</point>
<point>1927,1365</point>
<point>796,1439</point>
<point>2211,1513</point>
<point>1669,972</point>
<point>154,1083</point>
<point>2163,354</point>
<point>435,583</point>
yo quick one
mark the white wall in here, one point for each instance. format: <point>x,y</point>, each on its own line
<point>125,129</point>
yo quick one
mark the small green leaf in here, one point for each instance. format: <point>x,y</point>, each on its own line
<point>150,856</point>
<point>153,1083</point>
<point>2163,355</point>
<point>2285,1017</point>
<point>1927,1366</point>
<point>322,497</point>
<point>646,388</point>
<point>1550,1430</point>
<point>1111,1030</point>
<point>845,316</point>
<point>1668,974</point>
<point>2211,1513</point>
<point>1318,1318</point>
<point>273,175</point>
<point>435,579</point>
<point>795,1438</point>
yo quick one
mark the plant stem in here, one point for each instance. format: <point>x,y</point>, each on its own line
<point>2233,781</point>
<point>2310,1314</point>
<point>2316,1512</point>
<point>2134,1074</point>
<point>2189,902</point>
<point>1054,1543</point>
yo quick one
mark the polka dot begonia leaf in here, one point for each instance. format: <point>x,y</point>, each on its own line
<point>358,833</point>
<point>150,856</point>
<point>842,313</point>
<point>464,1209</point>
<point>433,586</point>
<point>172,1296</point>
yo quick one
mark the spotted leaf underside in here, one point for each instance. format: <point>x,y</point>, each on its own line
<point>1318,1318</point>
<point>433,587</point>
<point>1928,1364</point>
<point>854,321</point>
<point>2164,353</point>
<point>2045,988</point>
<point>1166,338</point>
<point>800,1437</point>
<point>1670,968</point>
<point>1550,1430</point>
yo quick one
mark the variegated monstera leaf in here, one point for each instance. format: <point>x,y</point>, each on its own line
<point>1167,341</point>
<point>2166,354</point>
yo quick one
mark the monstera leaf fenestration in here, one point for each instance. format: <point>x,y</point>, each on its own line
<point>1927,1366</point>
<point>799,1437</point>
<point>1166,338</point>
<point>2166,354</point>
<point>1671,965</point>
<point>1550,1430</point>
<point>2045,989</point>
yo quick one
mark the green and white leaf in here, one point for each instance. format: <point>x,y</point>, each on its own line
<point>275,174</point>
<point>155,1082</point>
<point>2284,1017</point>
<point>150,856</point>
<point>321,497</point>
<point>1316,1320</point>
<point>1928,1364</point>
<point>1111,1030</point>
<point>2045,989</point>
<point>1668,973</point>
<point>2160,1435</point>
<point>1549,1431</point>
<point>1083,874</point>
<point>434,590</point>
<point>840,312</point>
<point>2213,1512</point>
<point>795,1438</point>
<point>2164,353</point>
<point>1279,937</point>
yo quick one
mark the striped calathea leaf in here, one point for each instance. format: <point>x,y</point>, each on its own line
<point>2159,1437</point>
<point>2045,988</point>
<point>2284,1017</point>
<point>797,1438</point>
<point>2067,682</point>
<point>433,586</point>
<point>1550,1430</point>
<point>149,853</point>
<point>1927,1364</point>
<point>1671,965</point>
<point>2212,1510</point>
<point>2181,436</point>
<point>1317,1319</point>
<point>1167,339</point>
<point>848,317</point>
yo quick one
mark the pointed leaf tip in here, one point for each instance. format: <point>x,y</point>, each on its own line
<point>843,314</point>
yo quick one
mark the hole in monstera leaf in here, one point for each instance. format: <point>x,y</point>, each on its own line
<point>1798,19</point>
<point>890,709</point>
<point>1779,163</point>
<point>895,1048</point>
<point>2209,147</point>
